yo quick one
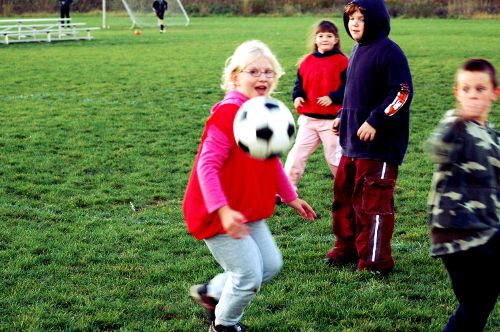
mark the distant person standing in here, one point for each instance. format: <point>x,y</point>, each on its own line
<point>65,7</point>
<point>160,7</point>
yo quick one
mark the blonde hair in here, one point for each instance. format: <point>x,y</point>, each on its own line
<point>244,55</point>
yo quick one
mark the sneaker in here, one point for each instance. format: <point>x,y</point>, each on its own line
<point>162,31</point>
<point>238,327</point>
<point>199,294</point>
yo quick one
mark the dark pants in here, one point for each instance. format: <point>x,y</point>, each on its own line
<point>65,13</point>
<point>475,278</point>
<point>160,14</point>
<point>363,213</point>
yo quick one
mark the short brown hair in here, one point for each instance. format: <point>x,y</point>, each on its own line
<point>482,66</point>
<point>353,7</point>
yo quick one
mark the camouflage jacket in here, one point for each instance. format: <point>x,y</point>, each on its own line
<point>464,198</point>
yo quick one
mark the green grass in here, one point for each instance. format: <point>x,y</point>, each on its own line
<point>88,127</point>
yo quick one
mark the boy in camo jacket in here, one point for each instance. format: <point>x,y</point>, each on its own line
<point>464,200</point>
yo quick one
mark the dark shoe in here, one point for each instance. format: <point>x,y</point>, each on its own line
<point>340,262</point>
<point>199,294</point>
<point>238,327</point>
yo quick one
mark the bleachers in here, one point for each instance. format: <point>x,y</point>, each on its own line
<point>43,30</point>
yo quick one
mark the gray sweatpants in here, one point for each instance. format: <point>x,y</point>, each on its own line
<point>247,263</point>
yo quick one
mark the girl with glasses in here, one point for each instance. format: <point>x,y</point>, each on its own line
<point>230,195</point>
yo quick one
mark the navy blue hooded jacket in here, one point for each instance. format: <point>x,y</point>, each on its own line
<point>378,90</point>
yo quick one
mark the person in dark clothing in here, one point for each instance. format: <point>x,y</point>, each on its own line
<point>374,128</point>
<point>160,7</point>
<point>65,7</point>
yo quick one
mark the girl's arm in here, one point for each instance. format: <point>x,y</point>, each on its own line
<point>298,90</point>
<point>214,152</point>
<point>303,208</point>
<point>233,222</point>
<point>285,188</point>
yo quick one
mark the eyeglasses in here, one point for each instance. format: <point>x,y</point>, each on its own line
<point>269,73</point>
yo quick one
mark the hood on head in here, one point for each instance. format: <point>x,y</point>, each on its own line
<point>377,21</point>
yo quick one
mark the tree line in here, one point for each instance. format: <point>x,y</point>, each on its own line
<point>404,8</point>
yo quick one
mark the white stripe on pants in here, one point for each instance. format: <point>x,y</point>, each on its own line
<point>376,244</point>
<point>247,263</point>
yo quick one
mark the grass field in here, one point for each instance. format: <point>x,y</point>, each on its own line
<point>88,127</point>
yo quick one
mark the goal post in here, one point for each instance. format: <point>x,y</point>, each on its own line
<point>104,14</point>
<point>142,15</point>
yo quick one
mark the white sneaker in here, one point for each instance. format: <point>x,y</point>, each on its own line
<point>238,327</point>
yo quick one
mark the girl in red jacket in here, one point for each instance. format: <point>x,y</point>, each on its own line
<point>230,194</point>
<point>317,96</point>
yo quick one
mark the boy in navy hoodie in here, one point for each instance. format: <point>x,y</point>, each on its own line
<point>373,127</point>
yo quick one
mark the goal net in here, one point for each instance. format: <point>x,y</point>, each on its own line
<point>143,16</point>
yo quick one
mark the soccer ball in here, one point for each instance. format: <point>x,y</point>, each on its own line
<point>137,32</point>
<point>264,127</point>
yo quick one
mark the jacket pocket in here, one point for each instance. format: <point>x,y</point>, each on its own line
<point>377,196</point>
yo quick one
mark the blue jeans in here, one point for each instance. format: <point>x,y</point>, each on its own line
<point>247,263</point>
<point>475,278</point>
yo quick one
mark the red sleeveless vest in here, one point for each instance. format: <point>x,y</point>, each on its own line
<point>249,184</point>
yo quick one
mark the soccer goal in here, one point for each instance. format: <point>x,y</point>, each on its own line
<point>142,15</point>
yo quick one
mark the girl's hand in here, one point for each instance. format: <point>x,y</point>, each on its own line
<point>366,132</point>
<point>324,101</point>
<point>335,126</point>
<point>304,209</point>
<point>298,102</point>
<point>233,222</point>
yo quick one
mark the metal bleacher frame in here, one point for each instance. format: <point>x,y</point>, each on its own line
<point>43,30</point>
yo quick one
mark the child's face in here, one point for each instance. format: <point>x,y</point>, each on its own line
<point>356,25</point>
<point>325,41</point>
<point>256,79</point>
<point>475,93</point>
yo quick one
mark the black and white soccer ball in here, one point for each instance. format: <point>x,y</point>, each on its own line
<point>264,127</point>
